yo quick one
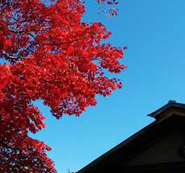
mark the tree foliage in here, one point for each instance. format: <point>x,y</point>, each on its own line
<point>51,55</point>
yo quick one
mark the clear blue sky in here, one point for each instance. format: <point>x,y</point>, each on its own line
<point>154,31</point>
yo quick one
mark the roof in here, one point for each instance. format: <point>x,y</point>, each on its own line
<point>169,113</point>
<point>171,104</point>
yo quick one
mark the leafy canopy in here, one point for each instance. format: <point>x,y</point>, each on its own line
<point>51,55</point>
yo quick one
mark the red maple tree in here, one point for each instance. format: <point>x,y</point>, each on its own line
<point>53,56</point>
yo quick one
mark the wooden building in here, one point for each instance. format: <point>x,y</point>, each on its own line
<point>157,148</point>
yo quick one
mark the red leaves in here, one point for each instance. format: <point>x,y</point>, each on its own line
<point>55,57</point>
<point>3,27</point>
<point>29,155</point>
<point>112,11</point>
<point>109,2</point>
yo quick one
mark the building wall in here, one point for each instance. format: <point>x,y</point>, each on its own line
<point>163,151</point>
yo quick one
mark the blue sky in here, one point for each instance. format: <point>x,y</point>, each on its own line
<point>154,31</point>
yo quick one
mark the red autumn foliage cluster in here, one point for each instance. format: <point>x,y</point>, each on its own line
<point>53,56</point>
<point>111,11</point>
